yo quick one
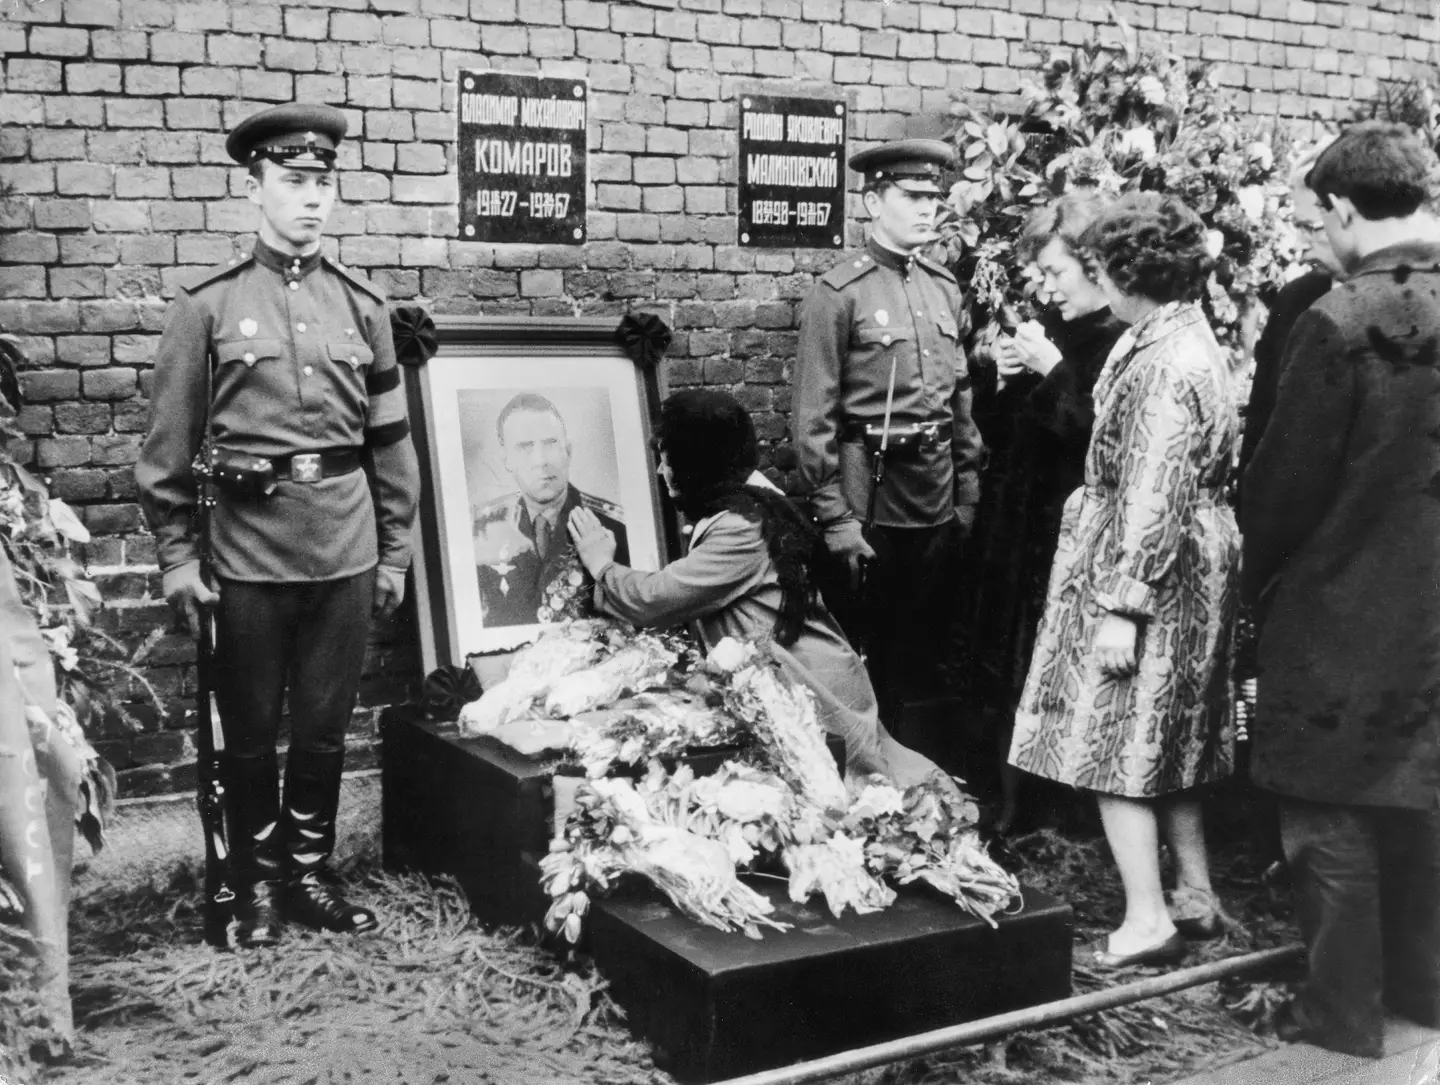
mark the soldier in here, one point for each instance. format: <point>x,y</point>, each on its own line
<point>286,359</point>
<point>880,365</point>
<point>524,559</point>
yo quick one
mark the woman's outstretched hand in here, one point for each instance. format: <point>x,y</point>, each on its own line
<point>594,542</point>
<point>1116,643</point>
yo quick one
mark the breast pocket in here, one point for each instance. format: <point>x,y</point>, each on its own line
<point>948,327</point>
<point>880,337</point>
<point>352,355</point>
<point>248,352</point>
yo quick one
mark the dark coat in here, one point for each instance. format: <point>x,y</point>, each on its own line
<point>1341,524</point>
<point>1037,430</point>
<point>1293,299</point>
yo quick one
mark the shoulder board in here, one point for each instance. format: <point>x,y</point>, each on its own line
<point>848,270</point>
<point>356,279</point>
<point>497,510</point>
<point>939,269</point>
<point>600,505</point>
<point>216,273</point>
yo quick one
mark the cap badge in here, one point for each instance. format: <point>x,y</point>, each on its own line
<point>248,328</point>
<point>882,317</point>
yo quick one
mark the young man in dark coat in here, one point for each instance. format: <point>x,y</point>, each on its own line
<point>287,359</point>
<point>1341,522</point>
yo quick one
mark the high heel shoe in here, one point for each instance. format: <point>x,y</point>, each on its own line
<point>1098,955</point>
<point>1195,913</point>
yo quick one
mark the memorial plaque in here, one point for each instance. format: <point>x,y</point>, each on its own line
<point>521,146</point>
<point>792,172</point>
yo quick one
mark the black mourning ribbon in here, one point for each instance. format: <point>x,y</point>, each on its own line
<point>644,337</point>
<point>414,333</point>
<point>447,690</point>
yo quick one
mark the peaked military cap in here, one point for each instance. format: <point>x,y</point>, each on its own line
<point>915,164</point>
<point>296,136</point>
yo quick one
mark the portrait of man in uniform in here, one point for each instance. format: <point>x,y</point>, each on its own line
<point>525,562</point>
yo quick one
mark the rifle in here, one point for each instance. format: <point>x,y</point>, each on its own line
<point>218,906</point>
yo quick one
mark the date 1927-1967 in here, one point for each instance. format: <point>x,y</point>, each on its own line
<point>784,213</point>
<point>505,203</point>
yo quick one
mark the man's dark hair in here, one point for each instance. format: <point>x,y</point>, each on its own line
<point>1384,169</point>
<point>526,401</point>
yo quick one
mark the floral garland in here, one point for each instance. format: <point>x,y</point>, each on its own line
<point>1120,118</point>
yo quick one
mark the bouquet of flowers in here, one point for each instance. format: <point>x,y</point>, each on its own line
<point>781,715</point>
<point>650,725</point>
<point>622,827</point>
<point>565,649</point>
<point>925,833</point>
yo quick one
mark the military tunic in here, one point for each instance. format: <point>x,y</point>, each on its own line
<point>873,309</point>
<point>300,360</point>
<point>521,586</point>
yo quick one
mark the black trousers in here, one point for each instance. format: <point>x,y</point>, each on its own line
<point>306,639</point>
<point>904,618</point>
<point>1367,887</point>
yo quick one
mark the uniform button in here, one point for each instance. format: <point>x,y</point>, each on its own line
<point>349,331</point>
<point>859,263</point>
<point>309,370</point>
<point>885,339</point>
<point>354,360</point>
<point>926,353</point>
<point>294,286</point>
<point>300,327</point>
<point>919,313</point>
<point>249,357</point>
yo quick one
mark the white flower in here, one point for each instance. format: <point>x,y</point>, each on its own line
<point>58,638</point>
<point>1139,141</point>
<point>879,800</point>
<point>1252,201</point>
<point>1214,243</point>
<point>1152,90</point>
<point>1261,155</point>
<point>728,655</point>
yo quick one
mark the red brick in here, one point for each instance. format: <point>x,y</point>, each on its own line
<point>33,75</point>
<point>354,26</point>
<point>22,281</point>
<point>233,51</point>
<point>88,249</point>
<point>201,182</point>
<point>92,13</point>
<point>134,113</point>
<point>202,15</point>
<point>52,143</point>
<point>205,81</point>
<point>267,86</point>
<point>49,385</point>
<point>259,18</point>
<point>55,41</point>
<point>310,24</point>
<point>147,249</point>
<point>92,78</point>
<point>79,179</point>
<point>22,109</point>
<point>147,13</point>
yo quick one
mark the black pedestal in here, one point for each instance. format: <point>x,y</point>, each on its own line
<point>717,1005</point>
<point>473,808</point>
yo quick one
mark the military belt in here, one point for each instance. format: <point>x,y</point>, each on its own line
<point>313,466</point>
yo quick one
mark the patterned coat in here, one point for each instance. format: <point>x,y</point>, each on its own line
<point>1148,536</point>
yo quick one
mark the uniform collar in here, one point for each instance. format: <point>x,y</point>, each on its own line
<point>286,264</point>
<point>1415,255</point>
<point>889,257</point>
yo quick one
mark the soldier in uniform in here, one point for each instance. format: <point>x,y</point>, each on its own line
<point>880,362</point>
<point>525,561</point>
<point>286,359</point>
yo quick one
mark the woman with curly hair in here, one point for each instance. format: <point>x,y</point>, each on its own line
<point>1034,409</point>
<point>747,574</point>
<point>1128,693</point>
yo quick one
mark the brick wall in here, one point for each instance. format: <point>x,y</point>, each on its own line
<point>116,182</point>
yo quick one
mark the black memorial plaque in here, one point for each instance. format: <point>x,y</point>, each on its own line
<point>521,146</point>
<point>792,172</point>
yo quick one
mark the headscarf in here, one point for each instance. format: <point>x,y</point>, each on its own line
<point>710,444</point>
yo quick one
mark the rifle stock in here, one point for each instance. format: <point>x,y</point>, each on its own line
<point>218,907</point>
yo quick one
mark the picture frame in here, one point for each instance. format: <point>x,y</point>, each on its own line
<point>516,420</point>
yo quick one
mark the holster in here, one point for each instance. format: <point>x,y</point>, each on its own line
<point>241,475</point>
<point>905,442</point>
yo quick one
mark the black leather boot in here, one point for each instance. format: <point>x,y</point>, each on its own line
<point>312,795</point>
<point>256,852</point>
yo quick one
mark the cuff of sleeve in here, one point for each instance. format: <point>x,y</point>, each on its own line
<point>967,489</point>
<point>1125,595</point>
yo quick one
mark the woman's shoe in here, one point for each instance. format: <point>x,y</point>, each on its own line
<point>1195,913</point>
<point>1097,954</point>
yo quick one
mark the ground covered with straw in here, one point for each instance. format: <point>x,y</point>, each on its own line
<point>434,997</point>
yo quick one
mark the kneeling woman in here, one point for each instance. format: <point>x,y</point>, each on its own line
<point>746,575</point>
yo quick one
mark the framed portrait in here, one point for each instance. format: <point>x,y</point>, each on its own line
<point>517,423</point>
